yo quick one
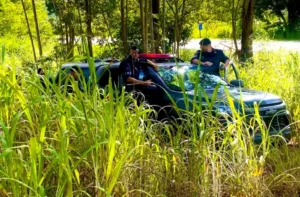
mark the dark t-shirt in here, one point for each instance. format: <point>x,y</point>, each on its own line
<point>215,57</point>
<point>130,68</point>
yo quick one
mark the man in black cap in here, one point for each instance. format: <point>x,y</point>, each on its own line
<point>210,58</point>
<point>133,74</point>
<point>131,69</point>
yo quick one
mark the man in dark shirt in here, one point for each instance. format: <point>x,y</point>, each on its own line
<point>131,69</point>
<point>210,58</point>
<point>132,72</point>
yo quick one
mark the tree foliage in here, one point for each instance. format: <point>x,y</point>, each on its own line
<point>147,24</point>
<point>14,30</point>
<point>278,8</point>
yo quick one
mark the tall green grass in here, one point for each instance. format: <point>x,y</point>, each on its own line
<point>99,143</point>
<point>276,73</point>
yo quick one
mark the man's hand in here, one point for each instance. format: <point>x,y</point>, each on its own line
<point>148,83</point>
<point>225,65</point>
<point>195,61</point>
<point>133,81</point>
<point>153,65</point>
<point>207,63</point>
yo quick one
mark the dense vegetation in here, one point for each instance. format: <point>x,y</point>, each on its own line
<point>99,143</point>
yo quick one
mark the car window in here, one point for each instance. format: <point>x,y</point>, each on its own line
<point>165,60</point>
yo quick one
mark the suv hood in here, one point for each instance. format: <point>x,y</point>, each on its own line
<point>249,97</point>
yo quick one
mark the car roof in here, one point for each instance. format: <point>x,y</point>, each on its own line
<point>117,64</point>
<point>156,56</point>
<point>113,65</point>
<point>82,64</point>
<point>174,64</point>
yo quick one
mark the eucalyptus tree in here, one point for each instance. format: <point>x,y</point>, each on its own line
<point>14,28</point>
<point>65,23</point>
<point>29,30</point>
<point>182,12</point>
<point>247,29</point>
<point>37,28</point>
<point>156,26</point>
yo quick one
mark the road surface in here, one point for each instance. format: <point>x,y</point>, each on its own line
<point>257,45</point>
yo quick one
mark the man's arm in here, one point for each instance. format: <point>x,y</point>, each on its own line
<point>126,69</point>
<point>225,65</point>
<point>134,81</point>
<point>195,60</point>
<point>153,65</point>
<point>225,60</point>
<point>148,62</point>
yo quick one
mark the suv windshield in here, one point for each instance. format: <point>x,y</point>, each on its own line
<point>178,77</point>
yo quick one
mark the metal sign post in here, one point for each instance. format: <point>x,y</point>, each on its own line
<point>200,27</point>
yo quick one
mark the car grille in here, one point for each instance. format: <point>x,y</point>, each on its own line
<point>277,122</point>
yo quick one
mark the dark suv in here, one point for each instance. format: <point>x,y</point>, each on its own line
<point>178,80</point>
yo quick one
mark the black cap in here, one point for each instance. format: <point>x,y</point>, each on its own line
<point>134,48</point>
<point>205,41</point>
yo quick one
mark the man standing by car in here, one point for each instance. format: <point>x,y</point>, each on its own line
<point>210,58</point>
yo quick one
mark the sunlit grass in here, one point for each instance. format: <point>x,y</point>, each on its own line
<point>212,30</point>
<point>99,143</point>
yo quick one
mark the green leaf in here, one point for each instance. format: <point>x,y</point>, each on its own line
<point>4,153</point>
<point>77,176</point>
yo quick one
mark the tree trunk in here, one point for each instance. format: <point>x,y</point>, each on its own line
<point>67,36</point>
<point>105,19</point>
<point>151,26</point>
<point>71,42</point>
<point>81,52</point>
<point>234,12</point>
<point>155,13</point>
<point>177,36</point>
<point>180,26</point>
<point>37,29</point>
<point>164,27</point>
<point>29,31</point>
<point>177,39</point>
<point>77,3</point>
<point>59,17</point>
<point>146,27</point>
<point>126,26</point>
<point>89,26</point>
<point>143,24</point>
<point>123,28</point>
<point>293,13</point>
<point>247,30</point>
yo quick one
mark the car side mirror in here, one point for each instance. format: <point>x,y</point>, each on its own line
<point>237,83</point>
